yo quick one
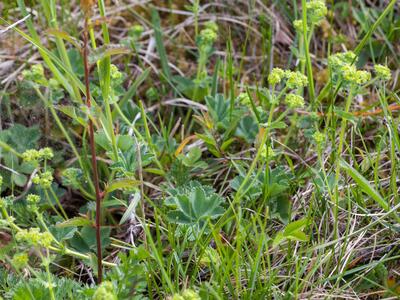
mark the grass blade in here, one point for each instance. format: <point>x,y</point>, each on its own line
<point>364,185</point>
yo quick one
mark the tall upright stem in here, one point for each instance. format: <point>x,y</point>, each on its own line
<point>93,152</point>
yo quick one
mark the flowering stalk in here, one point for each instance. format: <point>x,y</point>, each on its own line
<point>92,144</point>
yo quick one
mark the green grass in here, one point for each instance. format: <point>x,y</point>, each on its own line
<point>237,158</point>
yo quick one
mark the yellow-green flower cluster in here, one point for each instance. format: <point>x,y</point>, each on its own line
<point>34,237</point>
<point>54,84</point>
<point>211,25</point>
<point>338,60</point>
<point>187,295</point>
<point>32,201</point>
<point>114,72</point>
<point>33,155</point>
<point>105,292</point>
<point>276,76</point>
<point>46,153</point>
<point>244,99</point>
<point>294,101</point>
<point>210,257</point>
<point>137,30</point>
<point>35,74</point>
<point>354,76</point>
<point>72,177</point>
<point>298,25</point>
<point>342,64</point>
<point>295,80</point>
<point>316,11</point>
<point>45,179</point>
<point>267,152</point>
<point>383,72</point>
<point>319,137</point>
<point>20,260</point>
<point>209,34</point>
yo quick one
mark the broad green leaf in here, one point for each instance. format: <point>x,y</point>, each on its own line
<point>19,179</point>
<point>247,129</point>
<point>179,217</point>
<point>89,236</point>
<point>218,107</point>
<point>63,233</point>
<point>192,157</point>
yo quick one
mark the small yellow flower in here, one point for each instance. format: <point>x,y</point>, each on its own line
<point>212,25</point>
<point>298,25</point>
<point>20,260</point>
<point>114,72</point>
<point>105,292</point>
<point>33,199</point>
<point>208,35</point>
<point>383,72</point>
<point>316,11</point>
<point>319,137</point>
<point>31,155</point>
<point>276,76</point>
<point>46,153</point>
<point>46,239</point>
<point>295,80</point>
<point>294,101</point>
<point>44,180</point>
<point>354,76</point>
<point>34,237</point>
<point>338,60</point>
<point>267,152</point>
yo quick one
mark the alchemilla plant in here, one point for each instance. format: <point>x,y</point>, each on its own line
<point>229,150</point>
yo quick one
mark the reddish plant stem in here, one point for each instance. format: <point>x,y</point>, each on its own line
<point>93,152</point>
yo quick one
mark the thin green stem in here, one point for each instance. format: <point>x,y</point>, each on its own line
<point>307,54</point>
<point>337,168</point>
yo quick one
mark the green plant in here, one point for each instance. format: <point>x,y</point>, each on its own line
<point>201,151</point>
<point>194,205</point>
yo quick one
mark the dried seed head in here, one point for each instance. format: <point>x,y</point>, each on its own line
<point>87,5</point>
